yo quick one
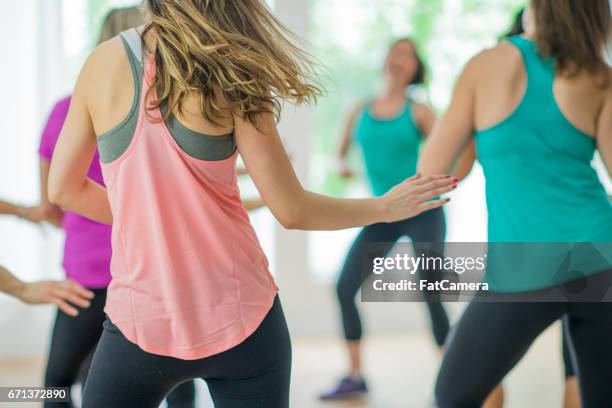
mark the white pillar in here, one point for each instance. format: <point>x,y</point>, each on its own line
<point>298,290</point>
<point>50,55</point>
<point>291,258</point>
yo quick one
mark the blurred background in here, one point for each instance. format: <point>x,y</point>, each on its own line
<point>44,44</point>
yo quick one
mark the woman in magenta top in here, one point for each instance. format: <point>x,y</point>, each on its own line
<point>87,254</point>
<point>87,248</point>
<point>170,106</point>
<point>87,257</point>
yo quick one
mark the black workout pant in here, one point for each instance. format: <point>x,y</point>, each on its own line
<point>490,339</point>
<point>428,227</point>
<point>254,374</point>
<point>72,344</point>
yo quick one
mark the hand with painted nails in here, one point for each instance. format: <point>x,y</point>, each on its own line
<point>416,195</point>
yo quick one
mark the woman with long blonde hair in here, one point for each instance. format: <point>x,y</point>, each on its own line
<point>172,105</point>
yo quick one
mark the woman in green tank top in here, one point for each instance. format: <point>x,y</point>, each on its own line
<point>535,109</point>
<point>389,131</point>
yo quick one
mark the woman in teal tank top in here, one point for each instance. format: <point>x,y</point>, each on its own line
<point>389,146</point>
<point>389,131</point>
<point>538,107</point>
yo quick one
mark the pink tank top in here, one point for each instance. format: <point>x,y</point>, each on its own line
<point>189,278</point>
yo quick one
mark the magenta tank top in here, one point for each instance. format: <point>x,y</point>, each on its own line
<point>189,277</point>
<point>87,248</point>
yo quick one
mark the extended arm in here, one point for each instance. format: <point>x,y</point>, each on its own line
<point>297,208</point>
<point>61,293</point>
<point>44,211</point>
<point>7,208</point>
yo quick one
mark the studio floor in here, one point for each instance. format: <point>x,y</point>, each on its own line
<point>401,371</point>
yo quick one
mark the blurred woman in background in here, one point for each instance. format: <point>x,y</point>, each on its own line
<point>389,130</point>
<point>540,105</point>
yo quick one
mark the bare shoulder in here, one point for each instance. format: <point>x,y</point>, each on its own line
<point>355,111</point>
<point>105,59</point>
<point>357,108</point>
<point>502,55</point>
<point>422,109</point>
<point>492,67</point>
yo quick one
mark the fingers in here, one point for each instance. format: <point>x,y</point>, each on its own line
<point>422,180</point>
<point>79,290</point>
<point>435,183</point>
<point>436,192</point>
<point>430,205</point>
<point>65,307</point>
<point>59,290</point>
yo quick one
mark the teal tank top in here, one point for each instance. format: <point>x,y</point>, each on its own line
<point>541,188</point>
<point>390,147</point>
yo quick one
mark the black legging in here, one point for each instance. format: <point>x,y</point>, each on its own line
<point>72,343</point>
<point>490,339</point>
<point>425,228</point>
<point>254,374</point>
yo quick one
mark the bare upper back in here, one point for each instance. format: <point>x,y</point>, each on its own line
<point>109,85</point>
<point>500,84</point>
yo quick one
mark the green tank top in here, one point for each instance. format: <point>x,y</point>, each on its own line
<point>390,147</point>
<point>541,188</point>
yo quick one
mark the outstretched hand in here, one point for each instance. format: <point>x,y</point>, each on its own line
<point>64,294</point>
<point>416,195</point>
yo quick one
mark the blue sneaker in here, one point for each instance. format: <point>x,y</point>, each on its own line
<point>348,387</point>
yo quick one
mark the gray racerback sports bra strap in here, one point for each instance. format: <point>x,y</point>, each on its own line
<point>114,143</point>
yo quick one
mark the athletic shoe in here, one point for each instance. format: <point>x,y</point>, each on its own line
<point>348,387</point>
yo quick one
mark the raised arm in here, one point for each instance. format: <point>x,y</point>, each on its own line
<point>448,148</point>
<point>69,186</point>
<point>297,208</point>
<point>604,133</point>
<point>26,213</point>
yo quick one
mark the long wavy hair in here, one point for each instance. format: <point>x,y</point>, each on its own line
<point>235,56</point>
<point>575,33</point>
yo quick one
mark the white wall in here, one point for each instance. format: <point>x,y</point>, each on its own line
<point>30,71</point>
